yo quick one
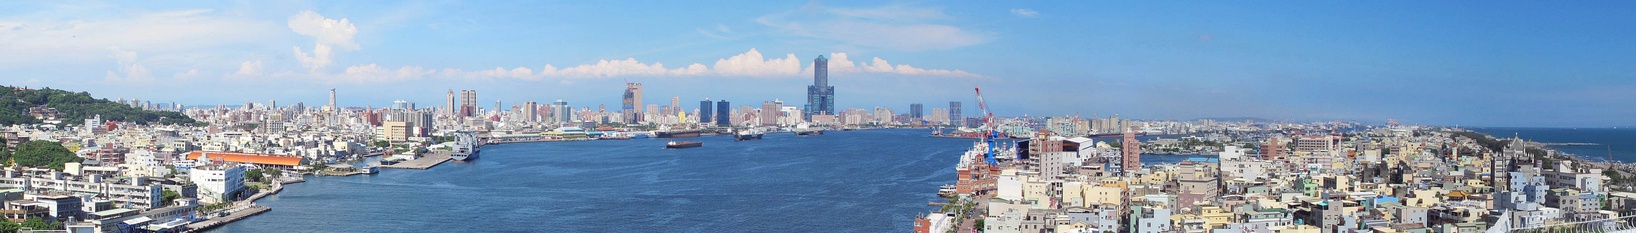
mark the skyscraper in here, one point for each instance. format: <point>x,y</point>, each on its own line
<point>468,103</point>
<point>955,117</point>
<point>917,111</point>
<point>531,111</point>
<point>724,113</point>
<point>1132,149</point>
<point>705,111</point>
<point>453,109</point>
<point>563,113</point>
<point>769,112</point>
<point>332,99</point>
<point>820,96</point>
<point>632,109</point>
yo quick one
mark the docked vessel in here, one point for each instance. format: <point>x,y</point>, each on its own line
<point>747,135</point>
<point>676,134</point>
<point>466,147</point>
<point>680,145</point>
<point>809,132</point>
<point>947,190</point>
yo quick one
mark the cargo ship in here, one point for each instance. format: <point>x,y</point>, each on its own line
<point>747,135</point>
<point>681,145</point>
<point>809,132</point>
<point>676,134</point>
<point>466,147</point>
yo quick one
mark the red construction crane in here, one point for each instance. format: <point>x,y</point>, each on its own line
<point>988,118</point>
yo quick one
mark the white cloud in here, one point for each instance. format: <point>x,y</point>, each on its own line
<point>188,75</point>
<point>607,68</point>
<point>129,74</point>
<point>249,68</point>
<point>372,73</point>
<point>841,63</point>
<point>319,59</point>
<point>128,70</point>
<point>124,57</point>
<point>753,64</point>
<point>1025,13</point>
<point>328,31</point>
<point>47,40</point>
<point>329,34</point>
<point>896,27</point>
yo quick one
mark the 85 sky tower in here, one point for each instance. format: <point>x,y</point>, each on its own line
<point>820,96</point>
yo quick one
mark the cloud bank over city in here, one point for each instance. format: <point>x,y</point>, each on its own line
<point>1090,59</point>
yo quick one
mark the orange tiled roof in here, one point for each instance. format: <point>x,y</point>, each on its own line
<point>248,158</point>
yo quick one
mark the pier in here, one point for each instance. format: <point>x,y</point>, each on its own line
<point>424,162</point>
<point>245,212</point>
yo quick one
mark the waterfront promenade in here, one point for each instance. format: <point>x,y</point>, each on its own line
<point>237,214</point>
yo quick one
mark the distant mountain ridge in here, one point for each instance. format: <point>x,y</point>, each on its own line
<point>22,105</point>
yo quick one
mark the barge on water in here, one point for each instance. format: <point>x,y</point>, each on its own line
<point>682,145</point>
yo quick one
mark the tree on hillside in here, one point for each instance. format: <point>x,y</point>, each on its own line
<point>40,224</point>
<point>254,175</point>
<point>44,154</point>
<point>74,107</point>
<point>169,195</point>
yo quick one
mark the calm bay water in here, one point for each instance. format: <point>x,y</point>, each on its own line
<point>842,181</point>
<point>854,181</point>
<point>1621,142</point>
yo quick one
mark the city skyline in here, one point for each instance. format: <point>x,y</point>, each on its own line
<point>1303,61</point>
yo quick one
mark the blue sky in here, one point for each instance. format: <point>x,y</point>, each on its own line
<point>1499,63</point>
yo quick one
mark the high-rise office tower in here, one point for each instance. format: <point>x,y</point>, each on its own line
<point>724,113</point>
<point>675,105</point>
<point>632,109</point>
<point>955,117</point>
<point>453,109</point>
<point>332,99</point>
<point>468,103</point>
<point>916,111</point>
<point>820,96</point>
<point>706,112</point>
<point>769,113</point>
<point>531,111</point>
<point>563,113</point>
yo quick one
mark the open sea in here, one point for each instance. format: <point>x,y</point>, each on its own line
<point>1620,141</point>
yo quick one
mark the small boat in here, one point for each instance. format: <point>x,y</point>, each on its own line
<point>680,145</point>
<point>371,170</point>
<point>947,190</point>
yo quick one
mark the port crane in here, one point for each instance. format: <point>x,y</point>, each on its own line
<point>988,121</point>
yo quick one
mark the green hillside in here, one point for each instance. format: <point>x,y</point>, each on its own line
<point>74,107</point>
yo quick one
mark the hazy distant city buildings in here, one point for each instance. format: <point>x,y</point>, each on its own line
<point>631,105</point>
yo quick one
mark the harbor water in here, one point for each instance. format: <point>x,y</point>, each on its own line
<point>852,181</point>
<point>842,181</point>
